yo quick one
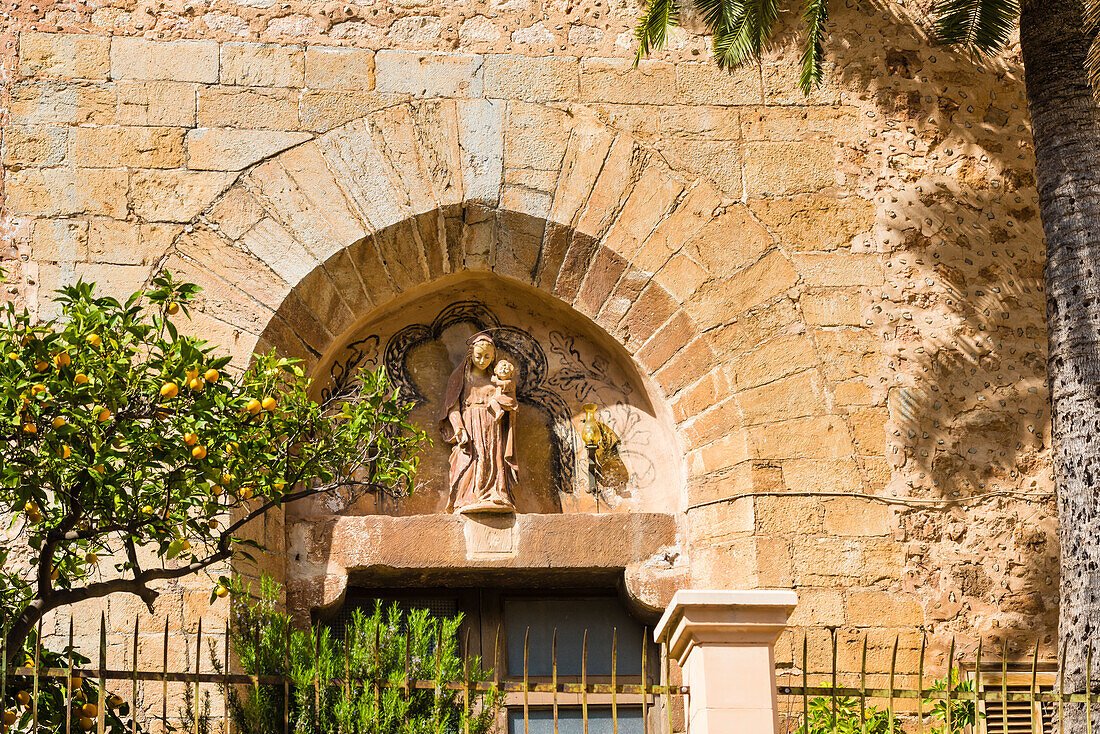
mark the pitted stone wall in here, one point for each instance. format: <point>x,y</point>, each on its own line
<point>840,293</point>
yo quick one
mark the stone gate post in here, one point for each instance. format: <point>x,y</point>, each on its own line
<point>724,642</point>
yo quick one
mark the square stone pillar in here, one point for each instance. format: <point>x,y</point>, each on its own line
<point>725,644</point>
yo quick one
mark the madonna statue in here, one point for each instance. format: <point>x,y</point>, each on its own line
<point>479,420</point>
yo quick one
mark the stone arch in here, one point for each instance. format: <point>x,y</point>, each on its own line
<point>685,278</point>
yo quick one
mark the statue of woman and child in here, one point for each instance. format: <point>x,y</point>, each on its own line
<point>478,419</point>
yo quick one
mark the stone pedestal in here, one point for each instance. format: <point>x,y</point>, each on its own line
<point>724,642</point>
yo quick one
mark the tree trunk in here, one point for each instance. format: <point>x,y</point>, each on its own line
<point>1066,126</point>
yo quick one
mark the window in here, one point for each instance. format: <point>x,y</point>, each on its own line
<point>511,617</point>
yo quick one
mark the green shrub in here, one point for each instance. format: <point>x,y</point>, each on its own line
<point>847,719</point>
<point>374,651</point>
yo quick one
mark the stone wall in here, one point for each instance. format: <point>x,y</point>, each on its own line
<point>835,294</point>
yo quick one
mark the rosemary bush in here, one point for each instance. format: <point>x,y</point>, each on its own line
<point>372,657</point>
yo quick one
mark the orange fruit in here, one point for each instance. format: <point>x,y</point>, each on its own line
<point>253,406</point>
<point>148,509</point>
<point>104,415</point>
<point>86,724</point>
<point>62,359</point>
<point>58,421</point>
<point>190,438</point>
<point>169,390</point>
<point>42,366</point>
<point>30,428</point>
<point>211,375</point>
<point>196,384</point>
<point>81,379</point>
<point>91,558</point>
<point>10,717</point>
<point>93,339</point>
<point>220,591</point>
<point>23,698</point>
<point>199,452</point>
<point>64,452</point>
<point>268,403</point>
<point>227,478</point>
<point>212,524</point>
<point>36,389</point>
<point>173,309</point>
<point>90,710</point>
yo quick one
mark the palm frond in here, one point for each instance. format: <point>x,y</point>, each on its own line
<point>982,26</point>
<point>742,28</point>
<point>652,31</point>
<point>816,16</point>
<point>1092,59</point>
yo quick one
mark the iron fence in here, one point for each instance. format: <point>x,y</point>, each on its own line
<point>975,693</point>
<point>561,698</point>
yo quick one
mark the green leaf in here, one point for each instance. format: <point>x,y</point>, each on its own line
<point>981,26</point>
<point>652,32</point>
<point>816,15</point>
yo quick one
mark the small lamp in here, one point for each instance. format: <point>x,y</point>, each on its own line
<point>591,435</point>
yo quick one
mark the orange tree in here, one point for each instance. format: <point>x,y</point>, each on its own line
<point>131,454</point>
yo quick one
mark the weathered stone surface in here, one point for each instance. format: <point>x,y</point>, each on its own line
<point>64,55</point>
<point>618,80</point>
<point>272,108</point>
<point>430,75</point>
<point>62,102</point>
<point>323,110</point>
<point>226,149</point>
<point>173,195</point>
<point>543,79</point>
<point>262,65</point>
<point>328,67</point>
<point>35,145</point>
<point>67,191</point>
<point>788,168</point>
<point>706,84</point>
<point>156,103</point>
<point>139,147</point>
<point>816,223</point>
<point>181,61</point>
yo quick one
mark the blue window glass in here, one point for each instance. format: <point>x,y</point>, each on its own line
<point>541,721</point>
<point>600,616</point>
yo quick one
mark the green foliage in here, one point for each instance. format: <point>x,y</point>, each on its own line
<point>846,718</point>
<point>52,708</point>
<point>374,650</point>
<point>963,713</point>
<point>122,437</point>
<point>743,28</point>
<point>980,25</point>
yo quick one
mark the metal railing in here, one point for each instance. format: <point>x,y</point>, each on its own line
<point>971,693</point>
<point>558,695</point>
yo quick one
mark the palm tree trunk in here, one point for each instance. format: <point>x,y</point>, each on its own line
<point>1066,125</point>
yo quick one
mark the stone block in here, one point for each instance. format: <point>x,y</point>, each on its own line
<point>655,194</point>
<point>67,191</point>
<point>272,108</point>
<point>539,79</point>
<point>674,334</point>
<point>687,366</point>
<point>180,61</point>
<point>652,308</point>
<point>699,122</point>
<point>883,609</point>
<point>817,223</point>
<point>817,437</point>
<point>852,516</point>
<point>822,475</point>
<point>869,430</point>
<point>818,608</point>
<point>175,195</point>
<point>236,212</point>
<point>788,515</point>
<point>34,145</point>
<point>423,74</point>
<point>723,521</point>
<point>330,67</point>
<point>707,84</point>
<point>481,142</point>
<point>62,102</point>
<point>798,396</point>
<point>712,424</point>
<point>773,168</point>
<point>781,84</point>
<point>64,55</point>
<point>156,103</point>
<point>840,268</point>
<point>682,276</point>
<point>797,122</point>
<point>772,360</point>
<point>833,307</point>
<point>729,450</point>
<point>227,149</point>
<point>719,161</point>
<point>729,242</point>
<point>56,240</point>
<point>719,300</point>
<point>138,147</point>
<point>262,65</point>
<point>323,110</point>
<point>618,80</point>
<point>126,243</point>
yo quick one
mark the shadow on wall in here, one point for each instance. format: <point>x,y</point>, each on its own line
<point>961,320</point>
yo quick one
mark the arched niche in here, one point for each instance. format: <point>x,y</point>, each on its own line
<point>564,361</point>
